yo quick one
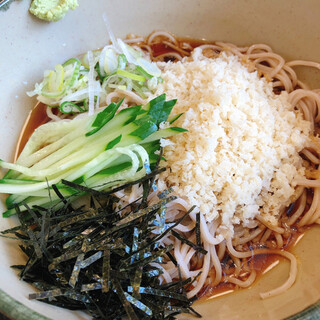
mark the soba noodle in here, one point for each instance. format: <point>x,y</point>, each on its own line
<point>261,237</point>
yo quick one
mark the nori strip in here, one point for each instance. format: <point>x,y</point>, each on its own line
<point>76,270</point>
<point>39,208</point>
<point>164,193</point>
<point>66,256</point>
<point>197,228</point>
<point>87,215</point>
<point>106,271</point>
<point>31,212</point>
<point>36,245</point>
<point>91,286</point>
<point>162,218</point>
<point>17,266</point>
<point>136,282</point>
<point>59,194</point>
<point>76,296</point>
<point>17,237</point>
<point>135,246</point>
<point>46,294</point>
<point>193,280</point>
<point>25,228</point>
<point>172,258</point>
<point>44,233</point>
<point>143,212</point>
<point>188,242</point>
<point>180,280</point>
<point>138,304</point>
<point>194,312</point>
<point>73,241</point>
<point>153,273</point>
<point>126,304</point>
<point>91,259</point>
<point>176,286</point>
<point>152,180</point>
<point>146,260</point>
<point>161,293</point>
<point>82,188</point>
<point>176,310</point>
<point>105,246</point>
<point>11,230</point>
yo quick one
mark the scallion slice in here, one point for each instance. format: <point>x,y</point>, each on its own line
<point>70,107</point>
<point>122,61</point>
<point>131,75</point>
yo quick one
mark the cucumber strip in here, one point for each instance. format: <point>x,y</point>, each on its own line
<point>17,181</point>
<point>162,133</point>
<point>25,188</point>
<point>50,133</point>
<point>66,157</point>
<point>94,165</point>
<point>72,143</point>
<point>44,193</point>
<point>43,202</point>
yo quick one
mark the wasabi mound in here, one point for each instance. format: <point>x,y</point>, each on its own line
<point>52,10</point>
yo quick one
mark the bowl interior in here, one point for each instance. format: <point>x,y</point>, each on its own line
<point>29,46</point>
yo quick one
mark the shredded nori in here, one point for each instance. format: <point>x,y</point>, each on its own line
<point>188,242</point>
<point>198,237</point>
<point>98,258</point>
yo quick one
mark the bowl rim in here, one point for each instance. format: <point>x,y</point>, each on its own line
<point>14,309</point>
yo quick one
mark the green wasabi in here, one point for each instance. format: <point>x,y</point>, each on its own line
<point>52,10</point>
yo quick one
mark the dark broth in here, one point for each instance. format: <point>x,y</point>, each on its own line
<point>35,119</point>
<point>259,263</point>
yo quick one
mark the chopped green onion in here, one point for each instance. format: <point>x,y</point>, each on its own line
<point>131,75</point>
<point>70,107</point>
<point>128,70</point>
<point>97,68</point>
<point>56,78</point>
<point>144,72</point>
<point>122,61</point>
<point>150,67</point>
<point>115,86</point>
<point>138,89</point>
<point>110,61</point>
<point>71,61</point>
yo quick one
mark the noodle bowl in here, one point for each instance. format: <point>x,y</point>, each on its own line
<point>229,260</point>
